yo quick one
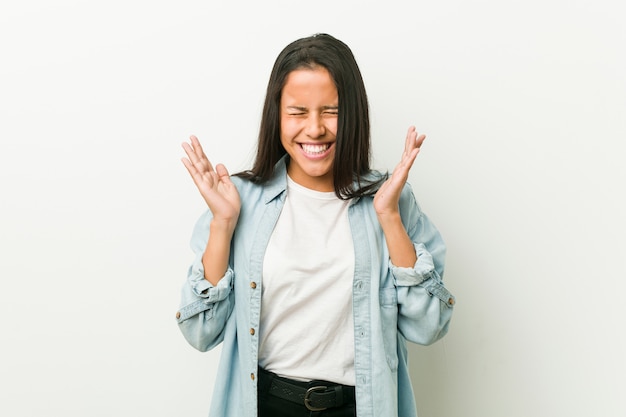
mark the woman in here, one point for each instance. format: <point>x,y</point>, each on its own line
<point>312,269</point>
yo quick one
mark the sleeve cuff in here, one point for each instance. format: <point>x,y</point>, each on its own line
<point>204,289</point>
<point>423,269</point>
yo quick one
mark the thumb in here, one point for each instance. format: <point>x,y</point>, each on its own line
<point>222,172</point>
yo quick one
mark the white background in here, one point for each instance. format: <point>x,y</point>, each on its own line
<point>524,105</point>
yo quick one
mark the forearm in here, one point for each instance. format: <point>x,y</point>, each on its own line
<point>217,252</point>
<point>399,244</point>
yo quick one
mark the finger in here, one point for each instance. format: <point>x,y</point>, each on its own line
<point>191,154</point>
<point>401,171</point>
<point>222,173</point>
<point>408,163</point>
<point>419,140</point>
<point>410,140</point>
<point>415,143</point>
<point>196,176</point>
<point>202,158</point>
<point>188,165</point>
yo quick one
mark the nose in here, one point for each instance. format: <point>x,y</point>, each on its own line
<point>315,126</point>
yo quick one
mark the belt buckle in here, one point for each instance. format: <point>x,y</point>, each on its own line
<point>307,400</point>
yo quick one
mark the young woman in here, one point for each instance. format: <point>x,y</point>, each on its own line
<point>312,269</point>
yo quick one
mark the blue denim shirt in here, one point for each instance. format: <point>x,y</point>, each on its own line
<point>390,304</point>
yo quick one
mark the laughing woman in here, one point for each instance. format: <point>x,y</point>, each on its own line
<point>312,269</point>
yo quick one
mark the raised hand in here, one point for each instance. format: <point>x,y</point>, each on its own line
<point>214,185</point>
<point>388,196</point>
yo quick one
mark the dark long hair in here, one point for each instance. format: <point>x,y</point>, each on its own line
<point>352,153</point>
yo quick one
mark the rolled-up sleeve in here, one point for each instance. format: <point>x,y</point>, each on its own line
<point>424,304</point>
<point>204,308</point>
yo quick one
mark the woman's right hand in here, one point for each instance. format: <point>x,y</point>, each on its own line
<point>215,185</point>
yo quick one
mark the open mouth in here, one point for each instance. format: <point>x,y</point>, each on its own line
<point>316,149</point>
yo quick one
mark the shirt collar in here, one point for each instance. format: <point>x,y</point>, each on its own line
<point>278,183</point>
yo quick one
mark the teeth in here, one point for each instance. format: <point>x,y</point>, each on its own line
<point>314,149</point>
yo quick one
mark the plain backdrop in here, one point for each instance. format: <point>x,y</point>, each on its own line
<point>524,105</point>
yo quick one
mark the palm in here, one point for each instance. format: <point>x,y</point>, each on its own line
<point>214,185</point>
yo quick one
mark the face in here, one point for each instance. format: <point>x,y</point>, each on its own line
<point>308,127</point>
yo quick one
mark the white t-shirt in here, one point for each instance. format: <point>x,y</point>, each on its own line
<point>307,329</point>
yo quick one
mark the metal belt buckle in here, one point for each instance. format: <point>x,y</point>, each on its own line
<point>307,401</point>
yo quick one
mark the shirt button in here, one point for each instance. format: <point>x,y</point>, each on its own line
<point>252,332</point>
<point>253,285</point>
<point>451,301</point>
<point>252,376</point>
<point>177,315</point>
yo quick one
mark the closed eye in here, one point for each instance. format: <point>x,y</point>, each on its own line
<point>303,111</point>
<point>334,110</point>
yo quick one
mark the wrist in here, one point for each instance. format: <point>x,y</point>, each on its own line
<point>224,227</point>
<point>391,218</point>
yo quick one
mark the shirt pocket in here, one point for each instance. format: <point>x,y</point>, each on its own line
<point>389,323</point>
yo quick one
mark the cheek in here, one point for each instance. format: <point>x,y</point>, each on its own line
<point>331,125</point>
<point>288,129</point>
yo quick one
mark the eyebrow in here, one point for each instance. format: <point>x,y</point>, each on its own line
<point>301,108</point>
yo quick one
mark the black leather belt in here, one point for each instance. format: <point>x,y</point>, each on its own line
<point>314,395</point>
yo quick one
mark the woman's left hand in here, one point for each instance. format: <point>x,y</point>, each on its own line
<point>388,196</point>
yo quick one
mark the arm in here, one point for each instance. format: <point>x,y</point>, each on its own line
<point>425,306</point>
<point>204,307</point>
<point>416,253</point>
<point>222,198</point>
<point>386,204</point>
<point>207,299</point>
